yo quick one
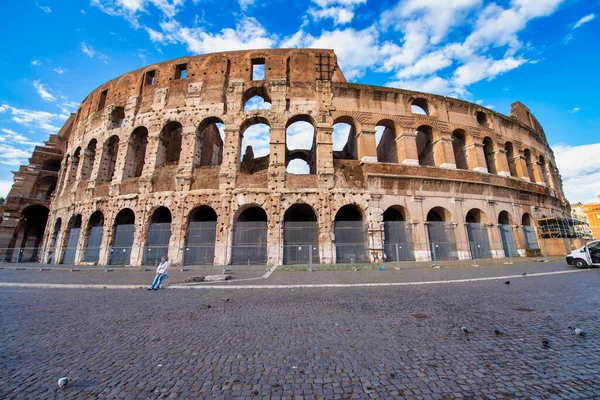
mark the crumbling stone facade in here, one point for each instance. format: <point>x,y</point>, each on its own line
<point>145,148</point>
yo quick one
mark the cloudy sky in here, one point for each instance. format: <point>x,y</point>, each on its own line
<point>544,53</point>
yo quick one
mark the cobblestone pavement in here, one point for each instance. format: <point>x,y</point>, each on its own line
<point>385,342</point>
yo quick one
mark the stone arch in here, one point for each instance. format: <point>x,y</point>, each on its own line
<point>254,130</point>
<point>421,106</point>
<point>385,140</point>
<point>45,187</point>
<point>489,150</point>
<point>527,220</point>
<point>71,240</point>
<point>300,235</point>
<point>543,166</point>
<point>424,141</point>
<point>136,153</point>
<point>512,160</point>
<point>122,240</point>
<point>200,236</point>
<point>108,162</point>
<point>28,234</point>
<point>441,234</point>
<point>93,237</point>
<point>476,216</point>
<point>397,234</point>
<point>439,214</point>
<point>459,139</point>
<point>350,231</point>
<point>249,245</point>
<point>483,119</point>
<point>72,174</point>
<point>529,163</point>
<point>52,165</point>
<point>159,235</point>
<point>117,118</point>
<point>169,144</point>
<point>208,150</point>
<point>256,98</point>
<point>504,218</point>
<point>52,241</point>
<point>88,159</point>
<point>299,146</point>
<point>344,138</point>
<point>507,234</point>
<point>477,234</point>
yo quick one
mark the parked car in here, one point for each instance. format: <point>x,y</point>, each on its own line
<point>588,255</point>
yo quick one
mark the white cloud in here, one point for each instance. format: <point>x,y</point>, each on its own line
<point>340,136</point>
<point>130,9</point>
<point>299,135</point>
<point>8,135</point>
<point>574,110</point>
<point>584,20</point>
<point>33,119</point>
<point>59,70</point>
<point>5,187</point>
<point>36,63</point>
<point>258,136</point>
<point>244,4</point>
<point>580,170</point>
<point>298,167</point>
<point>43,91</point>
<point>257,103</point>
<point>82,12</point>
<point>339,15</point>
<point>433,84</point>
<point>426,65</point>
<point>12,155</point>
<point>45,9</point>
<point>484,68</point>
<point>91,53</point>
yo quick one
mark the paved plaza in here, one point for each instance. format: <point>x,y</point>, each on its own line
<point>304,342</point>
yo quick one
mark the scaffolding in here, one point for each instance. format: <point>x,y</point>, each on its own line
<point>556,226</point>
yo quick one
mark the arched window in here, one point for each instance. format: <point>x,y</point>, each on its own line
<point>385,140</point>
<point>350,235</point>
<point>124,229</point>
<point>477,232</point>
<point>344,139</point>
<point>169,145</point>
<point>74,166</point>
<point>94,237</point>
<point>249,244</point>
<point>420,106</point>
<point>110,152</point>
<point>510,155</point>
<point>300,143</point>
<point>136,153</point>
<point>300,235</point>
<point>442,238</point>
<point>256,98</point>
<point>117,118</point>
<point>89,158</point>
<point>424,146</point>
<point>51,165</point>
<point>458,147</point>
<point>398,242</point>
<point>200,237</point>
<point>73,232</point>
<point>482,119</point>
<point>209,143</point>
<point>28,235</point>
<point>159,234</point>
<point>52,242</point>
<point>490,156</point>
<point>507,234</point>
<point>255,138</point>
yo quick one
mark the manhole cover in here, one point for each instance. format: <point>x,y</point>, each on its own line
<point>523,309</point>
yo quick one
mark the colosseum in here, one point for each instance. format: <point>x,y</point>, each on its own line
<point>271,157</point>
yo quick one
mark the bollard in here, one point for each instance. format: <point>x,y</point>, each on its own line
<point>397,257</point>
<point>433,246</point>
<point>310,268</point>
<point>473,255</point>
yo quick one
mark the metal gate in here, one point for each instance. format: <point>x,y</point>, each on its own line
<point>531,242</point>
<point>479,241</point>
<point>120,252</point>
<point>350,241</point>
<point>71,249</point>
<point>442,240</point>
<point>92,251</point>
<point>157,245</point>
<point>398,241</point>
<point>300,242</point>
<point>508,241</point>
<point>200,243</point>
<point>249,243</point>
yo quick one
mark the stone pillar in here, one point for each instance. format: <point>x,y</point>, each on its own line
<point>63,180</point>
<point>231,156</point>
<point>407,147</point>
<point>274,231</point>
<point>108,232</point>
<point>443,153</point>
<point>537,172</point>
<point>521,166</point>
<point>224,235</point>
<point>178,231</point>
<point>324,155</point>
<point>326,234</point>
<point>276,169</point>
<point>139,238</point>
<point>421,241</point>
<point>81,243</point>
<point>375,231</point>
<point>501,162</point>
<point>476,157</point>
<point>366,144</point>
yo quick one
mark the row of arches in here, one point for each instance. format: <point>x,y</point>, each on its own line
<point>300,234</point>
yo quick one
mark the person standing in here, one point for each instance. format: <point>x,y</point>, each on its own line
<point>161,273</point>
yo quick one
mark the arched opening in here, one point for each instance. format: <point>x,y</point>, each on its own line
<point>531,242</point>
<point>89,157</point>
<point>73,233</point>
<point>398,240</point>
<point>490,156</point>
<point>45,187</point>
<point>385,140</point>
<point>477,233</point>
<point>117,118</point>
<point>529,163</point>
<point>124,229</point>
<point>256,98</point>
<point>300,235</point>
<point>300,144</point>
<point>255,138</point>
<point>159,234</point>
<point>136,153</point>
<point>510,155</point>
<point>482,119</point>
<point>420,107</point>
<point>458,147</point>
<point>209,143</point>
<point>169,144</point>
<point>507,234</point>
<point>52,242</point>
<point>200,237</point>
<point>94,237</point>
<point>28,235</point>
<point>109,159</point>
<point>344,139</point>
<point>543,166</point>
<point>442,238</point>
<point>350,235</point>
<point>74,166</point>
<point>250,237</point>
<point>51,165</point>
<point>425,146</point>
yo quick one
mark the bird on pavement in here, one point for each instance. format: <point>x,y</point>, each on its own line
<point>577,331</point>
<point>507,283</point>
<point>465,330</point>
<point>497,332</point>
<point>63,382</point>
<point>524,273</point>
<point>545,343</point>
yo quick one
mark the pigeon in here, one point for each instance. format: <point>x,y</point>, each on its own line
<point>545,343</point>
<point>577,331</point>
<point>507,283</point>
<point>524,273</point>
<point>225,300</point>
<point>206,305</point>
<point>497,332</point>
<point>63,382</point>
<point>465,330</point>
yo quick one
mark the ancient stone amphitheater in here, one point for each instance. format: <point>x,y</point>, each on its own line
<point>156,162</point>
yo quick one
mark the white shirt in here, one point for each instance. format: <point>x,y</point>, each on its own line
<point>163,268</point>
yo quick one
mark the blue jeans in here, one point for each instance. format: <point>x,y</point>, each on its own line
<point>158,281</point>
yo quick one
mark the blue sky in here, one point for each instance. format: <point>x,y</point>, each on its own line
<point>544,53</point>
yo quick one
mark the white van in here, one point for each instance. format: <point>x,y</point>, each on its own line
<point>586,255</point>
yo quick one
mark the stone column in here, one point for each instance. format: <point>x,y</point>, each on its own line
<point>276,170</point>
<point>108,232</point>
<point>224,235</point>
<point>502,162</point>
<point>63,180</point>
<point>375,234</point>
<point>407,147</point>
<point>139,237</point>
<point>443,153</point>
<point>537,172</point>
<point>476,157</point>
<point>274,231</point>
<point>521,165</point>
<point>326,234</point>
<point>366,144</point>
<point>324,161</point>
<point>185,169</point>
<point>231,156</point>
<point>82,242</point>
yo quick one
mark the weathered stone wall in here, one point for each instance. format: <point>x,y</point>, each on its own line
<point>301,85</point>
